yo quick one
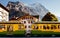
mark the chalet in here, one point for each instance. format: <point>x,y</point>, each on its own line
<point>27,20</point>
<point>4,13</point>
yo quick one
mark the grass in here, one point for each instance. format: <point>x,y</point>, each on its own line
<point>36,32</point>
<point>33,32</point>
<point>14,33</point>
<point>5,32</point>
<point>19,32</point>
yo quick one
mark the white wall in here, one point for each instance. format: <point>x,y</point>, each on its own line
<point>4,15</point>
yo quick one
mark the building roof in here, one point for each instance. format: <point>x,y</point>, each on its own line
<point>11,22</point>
<point>15,18</point>
<point>47,22</point>
<point>36,16</point>
<point>4,7</point>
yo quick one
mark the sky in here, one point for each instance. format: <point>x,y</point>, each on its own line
<point>52,5</point>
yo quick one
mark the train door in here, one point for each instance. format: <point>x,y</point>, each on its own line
<point>9,28</point>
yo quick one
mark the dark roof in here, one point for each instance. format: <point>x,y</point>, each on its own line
<point>47,22</point>
<point>13,19</point>
<point>4,7</point>
<point>36,16</point>
<point>11,22</point>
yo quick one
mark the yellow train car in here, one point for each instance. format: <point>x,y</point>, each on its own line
<point>46,26</point>
<point>11,26</point>
<point>40,26</point>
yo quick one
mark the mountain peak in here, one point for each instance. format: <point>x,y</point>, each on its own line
<point>32,9</point>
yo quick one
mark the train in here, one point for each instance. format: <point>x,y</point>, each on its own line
<point>34,28</point>
<point>42,26</point>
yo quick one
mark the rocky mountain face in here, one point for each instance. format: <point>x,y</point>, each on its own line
<point>19,9</point>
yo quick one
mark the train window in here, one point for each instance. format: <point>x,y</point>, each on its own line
<point>47,27</point>
<point>58,26</point>
<point>35,27</point>
<point>44,27</point>
<point>2,26</point>
<point>21,27</point>
<point>53,27</point>
<point>25,26</point>
<point>40,27</point>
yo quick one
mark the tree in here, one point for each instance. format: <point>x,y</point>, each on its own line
<point>49,17</point>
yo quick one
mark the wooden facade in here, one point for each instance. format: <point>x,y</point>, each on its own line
<point>30,18</point>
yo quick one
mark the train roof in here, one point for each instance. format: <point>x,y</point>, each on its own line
<point>47,22</point>
<point>42,22</point>
<point>11,22</point>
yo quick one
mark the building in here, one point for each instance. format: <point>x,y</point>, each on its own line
<point>4,13</point>
<point>27,20</point>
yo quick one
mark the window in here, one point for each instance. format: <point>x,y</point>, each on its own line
<point>58,26</point>
<point>0,13</point>
<point>35,27</point>
<point>28,26</point>
<point>53,27</point>
<point>21,21</point>
<point>1,17</point>
<point>47,27</point>
<point>4,14</point>
<point>44,27</point>
<point>31,21</point>
<point>24,21</point>
<point>28,21</point>
<point>21,26</point>
<point>4,18</point>
<point>25,26</point>
<point>40,27</point>
<point>2,26</point>
<point>26,17</point>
